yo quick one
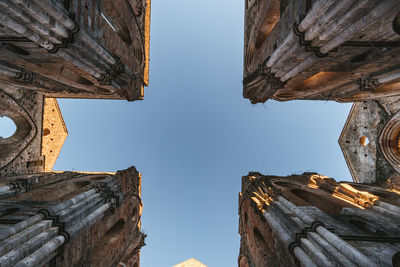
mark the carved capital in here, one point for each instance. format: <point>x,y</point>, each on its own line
<point>21,185</point>
<point>275,82</point>
<point>108,195</point>
<point>25,76</point>
<point>263,195</point>
<point>113,73</point>
<point>368,83</point>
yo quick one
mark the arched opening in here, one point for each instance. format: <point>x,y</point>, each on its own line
<point>111,15</point>
<point>115,230</point>
<point>283,184</point>
<point>81,184</point>
<point>98,178</point>
<point>261,244</point>
<point>318,80</point>
<point>396,23</point>
<point>8,211</point>
<point>396,260</point>
<point>272,16</point>
<point>108,245</point>
<point>7,127</point>
<point>134,213</point>
<point>389,141</point>
<point>331,207</point>
<point>16,49</point>
<point>22,127</point>
<point>84,81</point>
<point>138,51</point>
<point>368,228</point>
<point>362,57</point>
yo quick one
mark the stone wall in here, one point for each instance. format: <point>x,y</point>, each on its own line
<point>91,237</point>
<point>20,153</point>
<point>92,49</point>
<point>311,220</point>
<point>321,50</point>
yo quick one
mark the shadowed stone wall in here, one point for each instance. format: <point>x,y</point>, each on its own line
<point>343,50</point>
<point>71,219</point>
<point>311,220</point>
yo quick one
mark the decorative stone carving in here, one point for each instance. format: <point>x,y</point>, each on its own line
<point>368,83</point>
<point>25,76</point>
<point>108,195</point>
<point>113,73</point>
<point>21,185</point>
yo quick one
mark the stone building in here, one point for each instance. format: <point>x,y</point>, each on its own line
<point>71,219</point>
<point>346,51</point>
<point>190,263</point>
<point>71,49</point>
<point>342,50</point>
<point>76,48</point>
<point>311,220</point>
<point>370,142</point>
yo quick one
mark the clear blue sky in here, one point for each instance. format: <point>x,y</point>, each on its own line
<point>194,135</point>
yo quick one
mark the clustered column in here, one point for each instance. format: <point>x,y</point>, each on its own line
<point>36,240</point>
<point>314,245</point>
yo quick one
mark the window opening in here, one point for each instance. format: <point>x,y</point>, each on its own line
<point>7,127</point>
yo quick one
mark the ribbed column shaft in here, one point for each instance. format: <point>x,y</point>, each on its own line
<point>345,248</point>
<point>12,230</point>
<point>14,256</point>
<point>57,208</point>
<point>40,254</point>
<point>22,237</point>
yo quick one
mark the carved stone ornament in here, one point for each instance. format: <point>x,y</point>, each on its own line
<point>368,83</point>
<point>25,76</point>
<point>108,195</point>
<point>21,185</point>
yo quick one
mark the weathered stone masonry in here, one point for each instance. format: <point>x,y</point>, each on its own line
<point>76,48</point>
<point>311,220</point>
<point>71,219</point>
<point>72,49</point>
<point>342,50</point>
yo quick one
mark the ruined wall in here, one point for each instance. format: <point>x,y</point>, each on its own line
<point>311,220</point>
<point>101,227</point>
<point>370,142</point>
<point>321,50</point>
<point>78,49</point>
<point>20,153</point>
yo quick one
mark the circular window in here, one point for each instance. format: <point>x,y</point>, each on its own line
<point>7,127</point>
<point>389,141</point>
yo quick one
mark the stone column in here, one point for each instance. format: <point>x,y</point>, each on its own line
<point>36,240</point>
